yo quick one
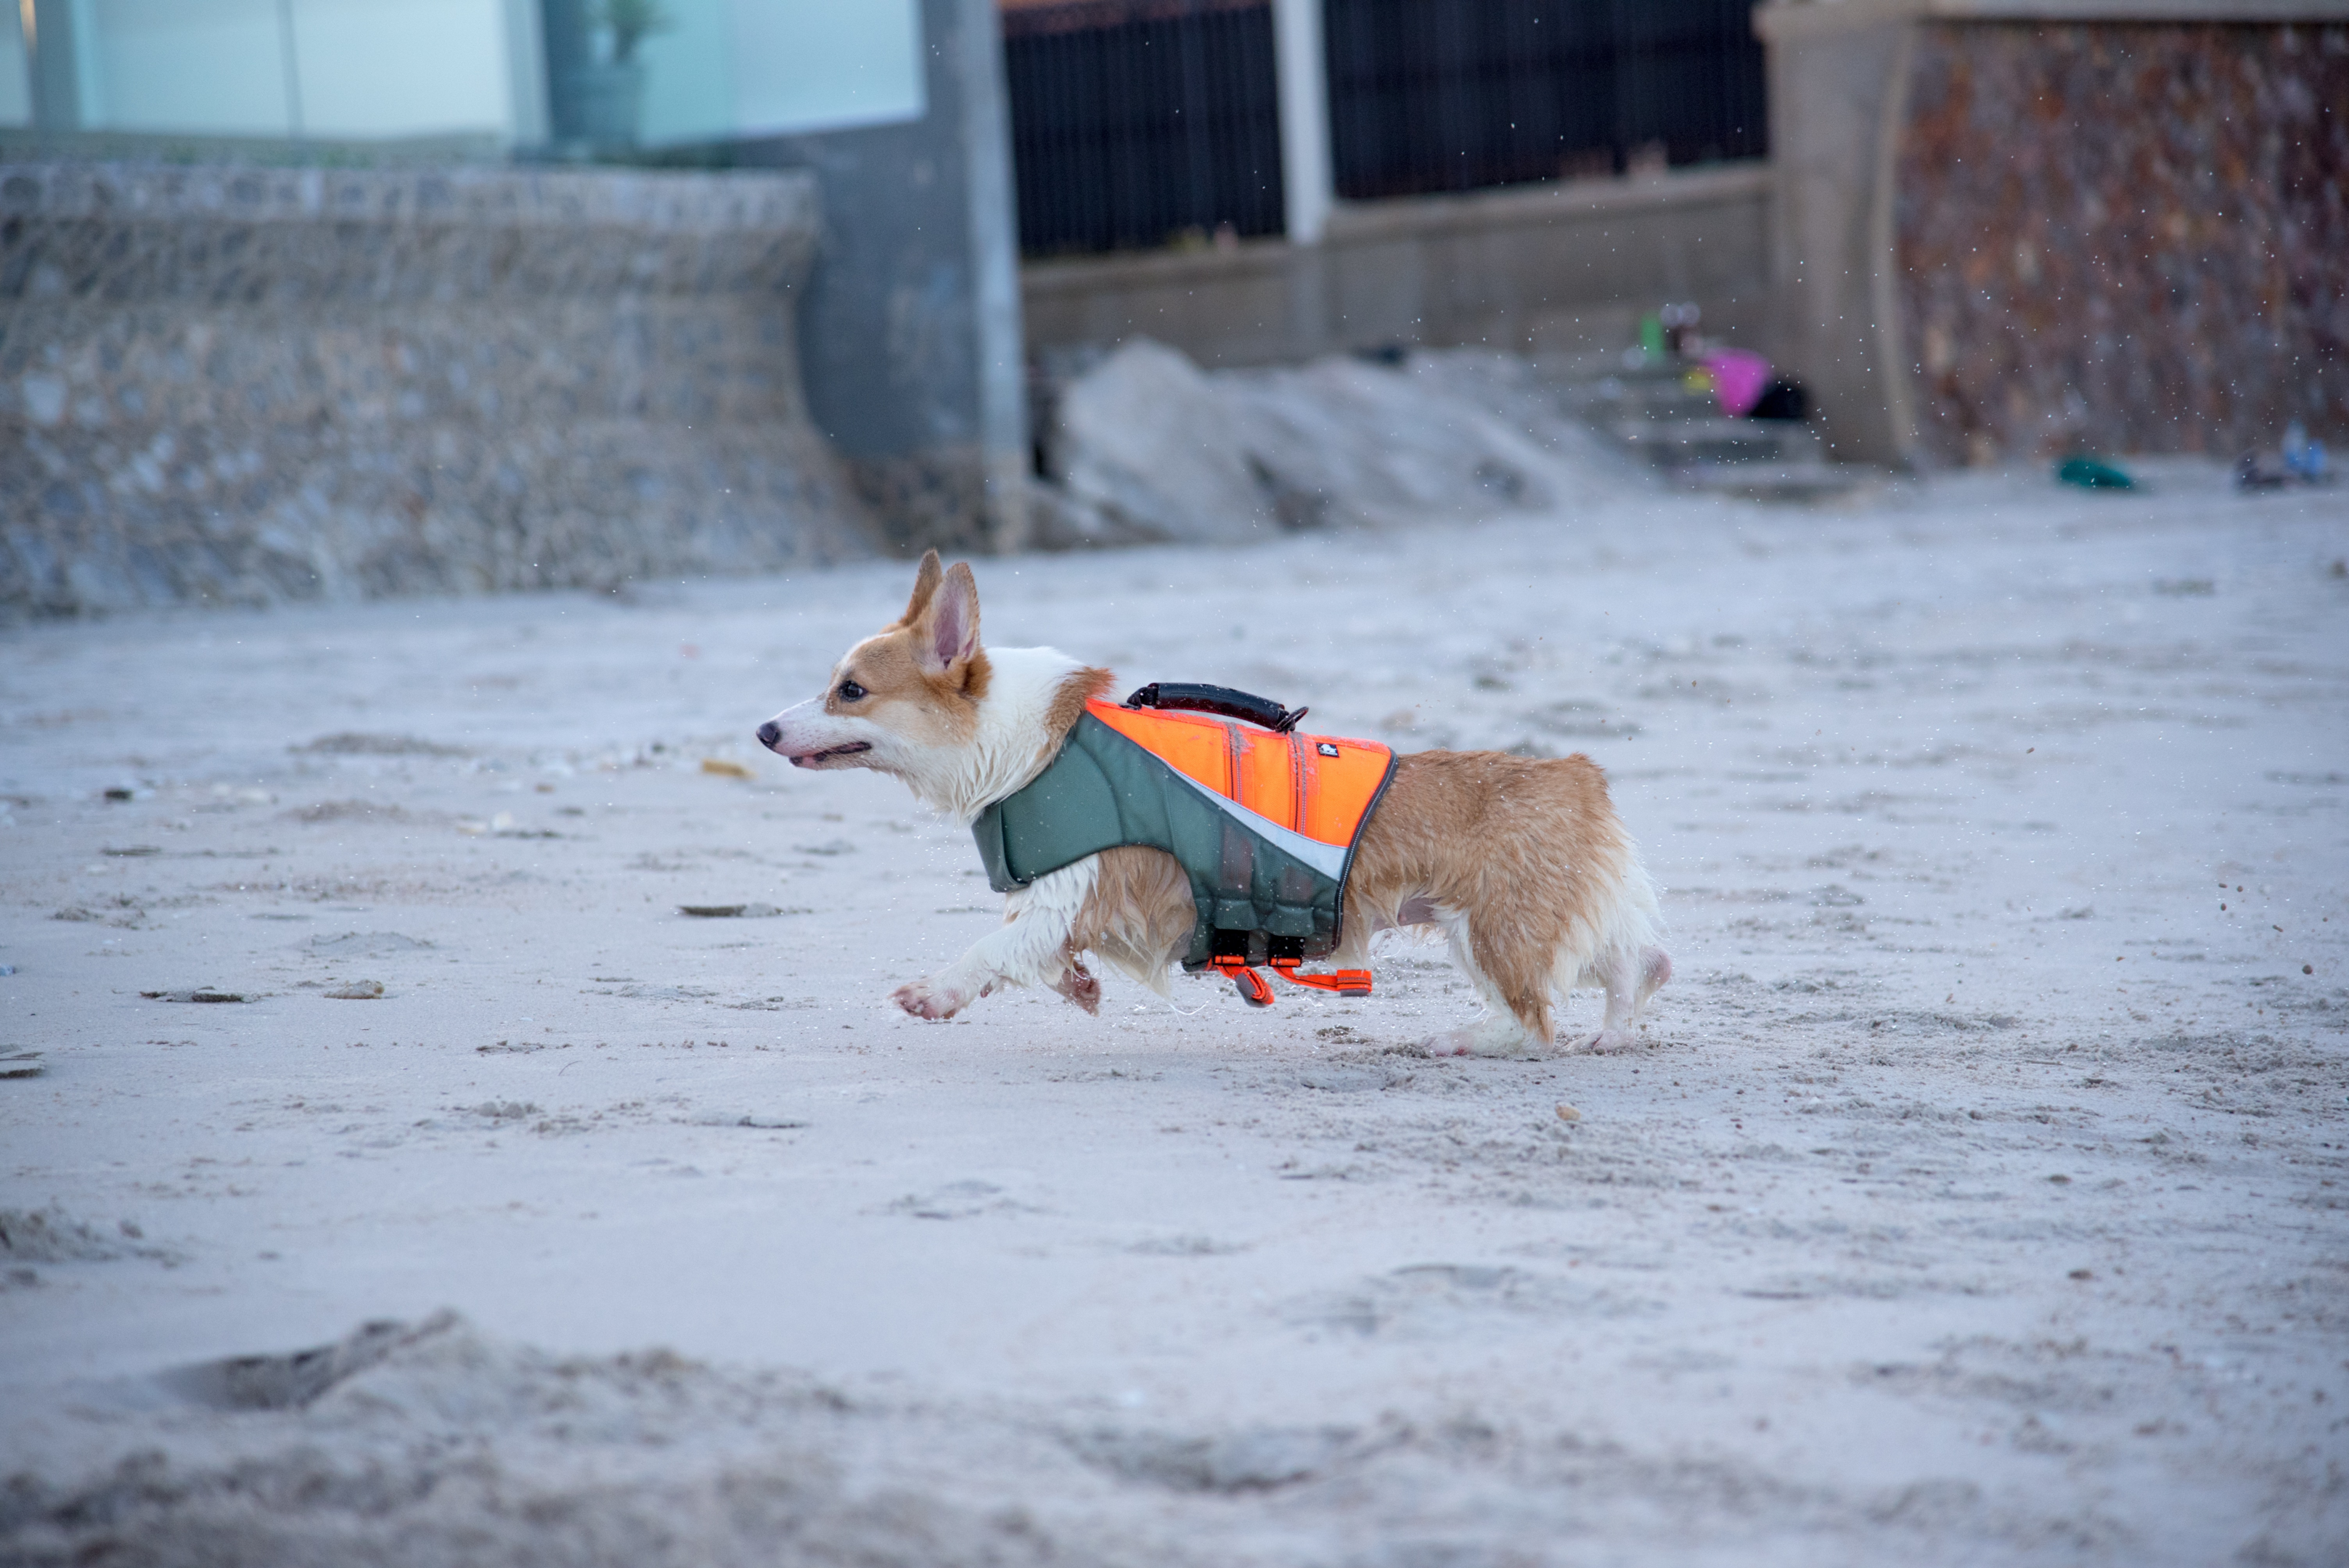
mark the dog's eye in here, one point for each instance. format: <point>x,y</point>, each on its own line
<point>850,691</point>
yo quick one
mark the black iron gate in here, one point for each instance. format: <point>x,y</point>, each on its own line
<point>1138,122</point>
<point>1134,122</point>
<point>1455,95</point>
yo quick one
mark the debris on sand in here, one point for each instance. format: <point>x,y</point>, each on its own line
<point>293,1381</point>
<point>21,1064</point>
<point>1567,1113</point>
<point>2089,473</point>
<point>1256,1460</point>
<point>349,811</point>
<point>357,991</point>
<point>2299,461</point>
<point>727,912</point>
<point>726,770</point>
<point>365,944</point>
<point>353,744</point>
<point>964,1199</point>
<point>51,1236</point>
<point>200,994</point>
<point>501,825</point>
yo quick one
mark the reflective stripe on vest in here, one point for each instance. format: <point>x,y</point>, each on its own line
<point>1264,824</point>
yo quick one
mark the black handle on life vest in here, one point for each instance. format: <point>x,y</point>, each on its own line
<point>1218,700</point>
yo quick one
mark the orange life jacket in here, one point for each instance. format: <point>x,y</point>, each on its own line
<point>1264,822</point>
<point>1318,785</point>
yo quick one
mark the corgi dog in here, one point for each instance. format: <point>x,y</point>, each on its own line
<point>1520,865</point>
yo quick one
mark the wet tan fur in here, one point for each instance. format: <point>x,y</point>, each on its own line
<point>1531,851</point>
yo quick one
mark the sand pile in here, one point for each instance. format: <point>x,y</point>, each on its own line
<point>431,1443</point>
<point>1145,446</point>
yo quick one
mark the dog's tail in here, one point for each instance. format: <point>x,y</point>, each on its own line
<point>1627,935</point>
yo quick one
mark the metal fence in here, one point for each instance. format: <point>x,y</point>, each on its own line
<point>1137,122</point>
<point>1455,95</point>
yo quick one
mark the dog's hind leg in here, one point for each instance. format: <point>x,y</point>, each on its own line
<point>1630,978</point>
<point>1513,988</point>
<point>1030,948</point>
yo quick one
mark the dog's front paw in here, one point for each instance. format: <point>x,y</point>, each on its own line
<point>931,999</point>
<point>1610,1040</point>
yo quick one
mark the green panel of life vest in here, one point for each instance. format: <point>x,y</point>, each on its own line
<point>1104,791</point>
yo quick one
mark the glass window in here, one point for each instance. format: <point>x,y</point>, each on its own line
<point>15,68</point>
<point>599,75</point>
<point>336,68</point>
<point>201,66</point>
<point>668,73</point>
<point>401,67</point>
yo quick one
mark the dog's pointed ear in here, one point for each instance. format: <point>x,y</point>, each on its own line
<point>927,577</point>
<point>948,630</point>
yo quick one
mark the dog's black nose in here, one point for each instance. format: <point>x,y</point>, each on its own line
<point>769,734</point>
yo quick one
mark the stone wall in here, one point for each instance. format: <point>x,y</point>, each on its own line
<point>2120,237</point>
<point>240,384</point>
<point>1567,266</point>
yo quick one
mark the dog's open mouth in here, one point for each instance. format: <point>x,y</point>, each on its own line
<point>813,759</point>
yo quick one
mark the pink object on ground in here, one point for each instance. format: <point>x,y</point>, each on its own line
<point>1738,378</point>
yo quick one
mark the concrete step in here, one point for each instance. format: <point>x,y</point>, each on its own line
<point>1645,407</point>
<point>1804,481</point>
<point>1715,438</point>
<point>1656,400</point>
<point>1592,369</point>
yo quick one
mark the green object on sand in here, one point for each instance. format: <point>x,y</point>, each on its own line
<point>1652,336</point>
<point>2090,474</point>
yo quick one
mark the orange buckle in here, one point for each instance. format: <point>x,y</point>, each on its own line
<point>1252,987</point>
<point>1343,983</point>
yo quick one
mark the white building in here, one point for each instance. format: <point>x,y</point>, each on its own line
<point>502,74</point>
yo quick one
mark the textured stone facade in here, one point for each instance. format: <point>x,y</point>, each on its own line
<point>2118,238</point>
<point>244,385</point>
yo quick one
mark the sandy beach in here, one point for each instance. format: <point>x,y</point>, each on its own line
<point>1978,1192</point>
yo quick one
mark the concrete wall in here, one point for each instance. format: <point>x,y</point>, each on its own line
<point>1836,75</point>
<point>911,325</point>
<point>1562,266</point>
<point>2008,227</point>
<point>242,385</point>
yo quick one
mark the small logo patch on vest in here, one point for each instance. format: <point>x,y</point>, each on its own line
<point>1326,749</point>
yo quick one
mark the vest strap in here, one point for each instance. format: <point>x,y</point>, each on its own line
<point>1256,993</point>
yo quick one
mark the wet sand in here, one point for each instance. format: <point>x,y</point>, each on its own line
<point>1978,1191</point>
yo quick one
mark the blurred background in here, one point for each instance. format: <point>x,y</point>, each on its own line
<point>352,298</point>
